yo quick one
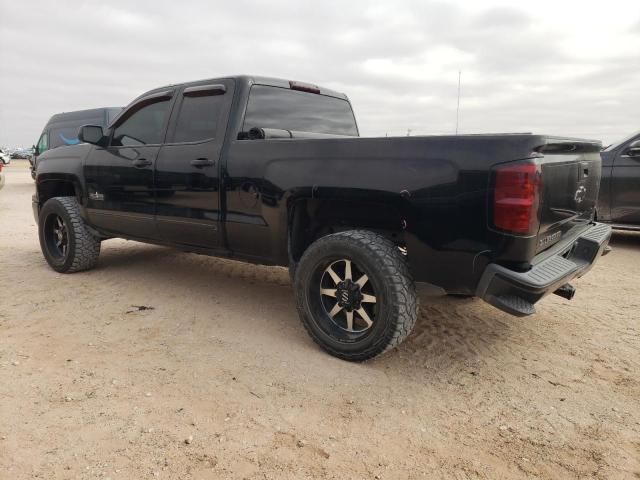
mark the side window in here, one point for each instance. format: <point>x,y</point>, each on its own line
<point>64,136</point>
<point>43,143</point>
<point>144,126</point>
<point>198,117</point>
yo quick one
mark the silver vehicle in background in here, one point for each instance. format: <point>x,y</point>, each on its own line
<point>5,159</point>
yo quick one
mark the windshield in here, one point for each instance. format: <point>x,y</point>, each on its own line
<point>275,107</point>
<point>615,145</point>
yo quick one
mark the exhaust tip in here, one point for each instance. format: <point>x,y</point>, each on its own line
<point>566,291</point>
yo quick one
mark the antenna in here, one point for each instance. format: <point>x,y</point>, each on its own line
<point>458,108</point>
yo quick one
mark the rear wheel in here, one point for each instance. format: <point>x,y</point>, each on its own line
<point>355,295</point>
<point>66,242</point>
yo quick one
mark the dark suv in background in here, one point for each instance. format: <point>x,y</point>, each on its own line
<point>62,129</point>
<point>619,201</point>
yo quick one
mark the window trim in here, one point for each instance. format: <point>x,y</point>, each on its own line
<point>215,89</point>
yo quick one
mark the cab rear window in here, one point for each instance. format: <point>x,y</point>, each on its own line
<point>275,107</point>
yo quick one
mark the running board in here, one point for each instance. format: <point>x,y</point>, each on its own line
<point>511,304</point>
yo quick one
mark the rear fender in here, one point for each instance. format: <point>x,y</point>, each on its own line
<point>312,216</point>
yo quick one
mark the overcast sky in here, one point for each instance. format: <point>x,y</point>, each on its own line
<point>557,67</point>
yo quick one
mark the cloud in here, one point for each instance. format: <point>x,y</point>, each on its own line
<point>522,69</point>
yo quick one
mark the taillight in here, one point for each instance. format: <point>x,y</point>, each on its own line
<point>516,194</point>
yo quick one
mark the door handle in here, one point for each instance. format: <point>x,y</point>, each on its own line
<point>141,162</point>
<point>202,162</point>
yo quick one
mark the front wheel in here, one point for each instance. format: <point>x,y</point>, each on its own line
<point>66,242</point>
<point>355,295</point>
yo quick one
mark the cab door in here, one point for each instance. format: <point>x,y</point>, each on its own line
<point>625,185</point>
<point>187,171</point>
<point>120,176</point>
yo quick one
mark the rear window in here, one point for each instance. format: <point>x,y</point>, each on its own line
<point>274,107</point>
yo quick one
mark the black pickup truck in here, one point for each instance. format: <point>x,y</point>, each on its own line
<point>274,172</point>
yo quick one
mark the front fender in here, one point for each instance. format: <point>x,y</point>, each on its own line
<point>63,164</point>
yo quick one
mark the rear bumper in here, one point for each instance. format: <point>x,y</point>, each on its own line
<point>517,292</point>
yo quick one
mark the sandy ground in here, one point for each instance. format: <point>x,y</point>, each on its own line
<point>219,379</point>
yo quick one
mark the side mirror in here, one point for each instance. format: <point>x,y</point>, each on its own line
<point>34,148</point>
<point>91,134</point>
<point>634,149</point>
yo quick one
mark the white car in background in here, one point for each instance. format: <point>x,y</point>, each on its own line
<point>6,159</point>
<point>1,176</point>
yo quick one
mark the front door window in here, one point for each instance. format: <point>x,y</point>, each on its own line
<point>145,126</point>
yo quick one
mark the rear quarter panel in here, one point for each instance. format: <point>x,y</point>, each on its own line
<point>440,183</point>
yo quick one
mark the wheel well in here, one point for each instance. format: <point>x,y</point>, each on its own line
<point>310,219</point>
<point>55,188</point>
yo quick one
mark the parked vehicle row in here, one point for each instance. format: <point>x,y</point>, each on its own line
<point>273,171</point>
<point>22,155</point>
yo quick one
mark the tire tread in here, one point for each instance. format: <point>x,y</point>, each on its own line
<point>395,268</point>
<point>87,246</point>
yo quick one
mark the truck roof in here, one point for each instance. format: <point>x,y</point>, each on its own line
<point>252,80</point>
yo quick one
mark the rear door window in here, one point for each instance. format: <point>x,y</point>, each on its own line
<point>197,118</point>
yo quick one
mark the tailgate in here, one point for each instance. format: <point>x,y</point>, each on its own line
<point>571,171</point>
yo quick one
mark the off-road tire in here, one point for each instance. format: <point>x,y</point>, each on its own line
<point>385,266</point>
<point>83,247</point>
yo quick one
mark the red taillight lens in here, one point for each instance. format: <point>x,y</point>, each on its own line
<point>515,198</point>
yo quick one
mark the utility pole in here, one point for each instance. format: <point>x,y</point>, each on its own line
<point>458,108</point>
